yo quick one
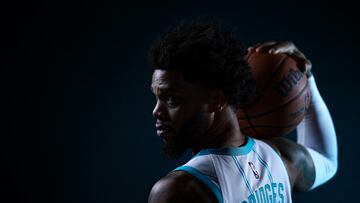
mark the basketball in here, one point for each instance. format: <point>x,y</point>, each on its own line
<point>282,97</point>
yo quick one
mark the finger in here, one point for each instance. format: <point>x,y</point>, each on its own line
<point>282,47</point>
<point>265,47</point>
<point>302,63</point>
<point>308,66</point>
<point>291,50</point>
<point>252,48</point>
<point>287,47</point>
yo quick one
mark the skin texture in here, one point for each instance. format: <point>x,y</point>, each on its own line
<point>199,118</point>
<point>297,161</point>
<point>181,187</point>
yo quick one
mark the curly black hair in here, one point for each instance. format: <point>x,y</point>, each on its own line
<point>208,56</point>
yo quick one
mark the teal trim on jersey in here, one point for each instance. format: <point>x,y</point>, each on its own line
<point>241,170</point>
<point>232,151</point>
<point>261,160</point>
<point>203,178</point>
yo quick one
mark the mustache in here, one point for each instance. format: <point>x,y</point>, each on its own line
<point>164,125</point>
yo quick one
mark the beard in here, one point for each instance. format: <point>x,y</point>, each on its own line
<point>185,137</point>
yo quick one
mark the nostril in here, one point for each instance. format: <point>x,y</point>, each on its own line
<point>158,115</point>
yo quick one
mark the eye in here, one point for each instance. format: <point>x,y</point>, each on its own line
<point>172,100</point>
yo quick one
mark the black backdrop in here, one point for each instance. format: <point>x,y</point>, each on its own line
<point>77,75</point>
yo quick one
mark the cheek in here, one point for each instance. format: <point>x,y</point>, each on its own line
<point>179,116</point>
<point>195,118</point>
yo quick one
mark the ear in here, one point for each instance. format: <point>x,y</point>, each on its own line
<point>217,101</point>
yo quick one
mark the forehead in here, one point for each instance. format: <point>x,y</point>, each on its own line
<point>171,80</point>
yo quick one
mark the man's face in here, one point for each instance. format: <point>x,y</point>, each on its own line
<point>181,111</point>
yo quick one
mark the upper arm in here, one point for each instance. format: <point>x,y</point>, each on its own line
<point>298,163</point>
<point>178,187</point>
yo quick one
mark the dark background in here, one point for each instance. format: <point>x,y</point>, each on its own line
<point>76,105</point>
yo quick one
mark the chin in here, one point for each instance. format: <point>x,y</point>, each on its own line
<point>177,144</point>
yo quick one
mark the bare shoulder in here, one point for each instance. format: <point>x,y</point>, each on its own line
<point>298,162</point>
<point>179,186</point>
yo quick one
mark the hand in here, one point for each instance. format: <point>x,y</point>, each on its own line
<point>288,48</point>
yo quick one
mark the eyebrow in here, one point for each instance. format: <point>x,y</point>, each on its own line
<point>166,89</point>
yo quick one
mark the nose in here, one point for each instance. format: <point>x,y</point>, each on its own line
<point>159,111</point>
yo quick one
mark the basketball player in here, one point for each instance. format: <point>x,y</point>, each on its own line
<point>200,77</point>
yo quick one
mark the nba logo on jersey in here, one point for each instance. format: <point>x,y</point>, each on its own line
<point>252,166</point>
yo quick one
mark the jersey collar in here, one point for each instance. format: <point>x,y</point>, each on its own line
<point>232,151</point>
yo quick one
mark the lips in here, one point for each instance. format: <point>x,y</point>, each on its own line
<point>162,133</point>
<point>162,127</point>
<point>162,130</point>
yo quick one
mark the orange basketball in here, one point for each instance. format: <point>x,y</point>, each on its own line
<point>283,97</point>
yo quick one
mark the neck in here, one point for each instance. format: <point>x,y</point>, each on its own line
<point>224,132</point>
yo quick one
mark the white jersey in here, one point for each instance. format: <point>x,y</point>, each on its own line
<point>253,173</point>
